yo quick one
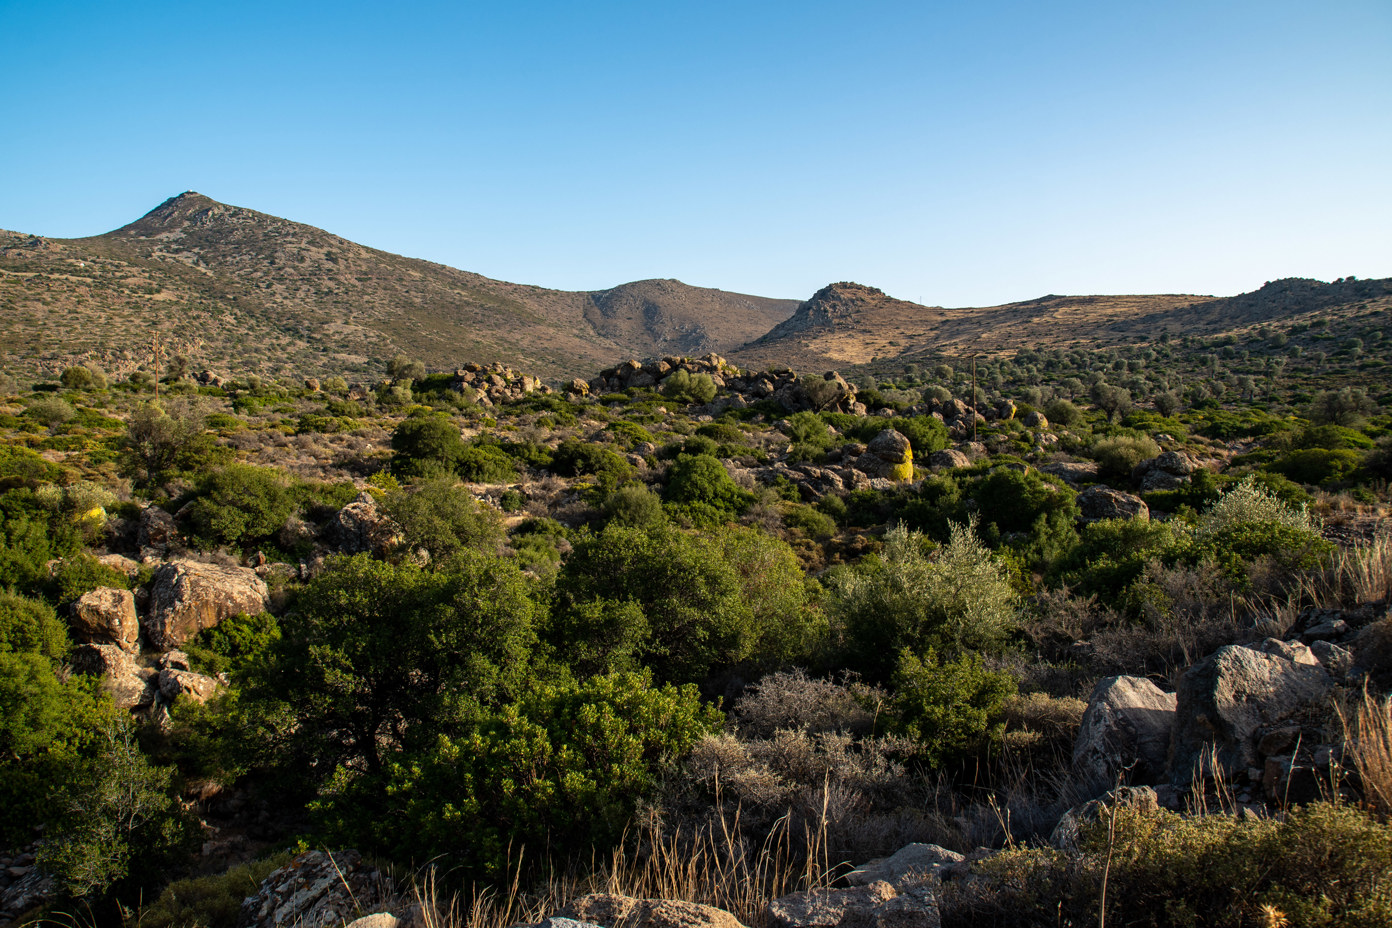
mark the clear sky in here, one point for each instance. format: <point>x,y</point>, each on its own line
<point>962,153</point>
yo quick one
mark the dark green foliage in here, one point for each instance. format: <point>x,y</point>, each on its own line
<point>1318,466</point>
<point>1112,553</point>
<point>925,433</point>
<point>1347,406</point>
<point>31,535</point>
<point>947,707</point>
<point>636,506</point>
<point>485,463</point>
<point>80,574</point>
<point>121,828</point>
<point>701,489</point>
<point>213,901</point>
<point>809,521</point>
<point>159,443</point>
<point>701,602</point>
<point>577,458</point>
<point>426,445</point>
<point>1061,412</point>
<point>233,644</point>
<point>1117,456</point>
<point>29,626</point>
<point>563,767</point>
<point>723,432</point>
<point>808,429</point>
<point>441,517</point>
<point>629,433</point>
<point>1233,548</point>
<point>20,467</point>
<point>376,658</point>
<point>239,505</point>
<point>530,453</point>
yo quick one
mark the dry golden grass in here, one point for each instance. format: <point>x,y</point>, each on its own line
<point>1368,744</point>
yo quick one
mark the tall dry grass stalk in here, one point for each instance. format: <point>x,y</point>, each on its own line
<point>1358,574</point>
<point>711,865</point>
<point>1368,743</point>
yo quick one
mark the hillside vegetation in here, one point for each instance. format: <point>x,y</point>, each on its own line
<point>718,633</point>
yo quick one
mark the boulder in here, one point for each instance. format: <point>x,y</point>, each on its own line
<point>130,685</point>
<point>1069,828</point>
<point>611,909</point>
<point>107,616</point>
<point>362,528</point>
<point>1036,420</point>
<point>875,905</point>
<point>187,597</point>
<point>315,890</point>
<point>1126,727</point>
<point>27,893</point>
<point>1102,502</point>
<point>911,861</point>
<point>376,920</point>
<point>889,455</point>
<point>184,684</point>
<point>948,458</point>
<point>120,563</point>
<point>1227,701</point>
<point>1072,472</point>
<point>157,533</point>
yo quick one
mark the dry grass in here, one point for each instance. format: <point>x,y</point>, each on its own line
<point>1355,575</point>
<point>1368,744</point>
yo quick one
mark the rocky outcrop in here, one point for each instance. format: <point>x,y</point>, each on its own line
<point>175,684</point>
<point>362,528</point>
<point>1125,730</point>
<point>612,910</point>
<point>1169,471</point>
<point>107,616</point>
<point>495,383</point>
<point>948,458</point>
<point>187,597</point>
<point>1231,699</point>
<point>315,890</point>
<point>1102,502</point>
<point>130,685</point>
<point>1072,472</point>
<point>157,534</point>
<point>875,905</point>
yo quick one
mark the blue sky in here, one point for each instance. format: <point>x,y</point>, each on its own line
<point>953,153</point>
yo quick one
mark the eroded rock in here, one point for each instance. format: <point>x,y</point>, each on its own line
<point>315,890</point>
<point>107,616</point>
<point>187,597</point>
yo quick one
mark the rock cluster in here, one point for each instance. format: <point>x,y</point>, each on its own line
<point>23,887</point>
<point>315,890</point>
<point>736,389</point>
<point>494,383</point>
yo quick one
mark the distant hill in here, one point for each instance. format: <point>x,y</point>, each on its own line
<point>236,289</point>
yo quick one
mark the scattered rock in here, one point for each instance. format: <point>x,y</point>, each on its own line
<point>1102,502</point>
<point>157,534</point>
<point>1126,727</point>
<point>875,905</point>
<point>107,616</point>
<point>1036,420</point>
<point>1072,472</point>
<point>913,861</point>
<point>315,890</point>
<point>612,910</point>
<point>187,597</point>
<point>177,684</point>
<point>948,457</point>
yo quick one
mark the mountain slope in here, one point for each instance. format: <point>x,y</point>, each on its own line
<point>235,289</point>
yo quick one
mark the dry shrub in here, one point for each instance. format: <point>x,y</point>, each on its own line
<point>792,700</point>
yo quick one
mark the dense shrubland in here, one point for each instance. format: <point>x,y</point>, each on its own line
<point>585,611</point>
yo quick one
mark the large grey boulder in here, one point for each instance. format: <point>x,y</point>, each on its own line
<point>315,890</point>
<point>948,458</point>
<point>612,910</point>
<point>130,685</point>
<point>1102,502</point>
<point>187,597</point>
<point>362,528</point>
<point>875,905</point>
<point>889,455</point>
<point>1072,472</point>
<point>184,684</point>
<point>107,616</point>
<point>1126,728</point>
<point>1227,701</point>
<point>909,862</point>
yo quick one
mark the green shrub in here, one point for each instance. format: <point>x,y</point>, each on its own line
<point>50,411</point>
<point>1318,466</point>
<point>441,517</point>
<point>577,458</point>
<point>700,487</point>
<point>724,433</point>
<point>636,506</point>
<point>947,707</point>
<point>809,521</point>
<point>485,463</point>
<point>239,504</point>
<point>80,574</point>
<point>961,598</point>
<point>684,387</point>
<point>425,446</point>
<point>233,644</point>
<point>29,626</point>
<point>213,901</point>
<point>1117,456</point>
<point>630,433</point>
<point>1062,412</point>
